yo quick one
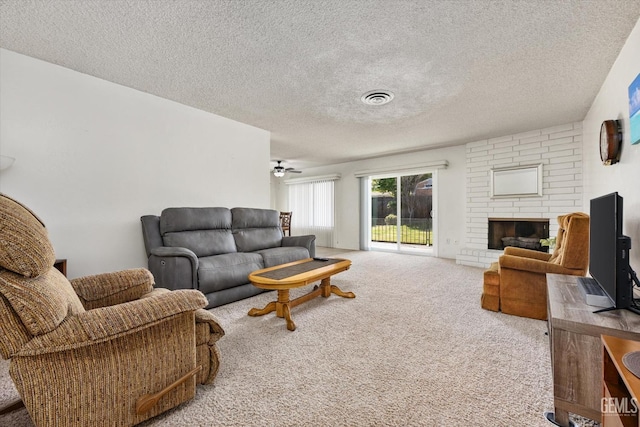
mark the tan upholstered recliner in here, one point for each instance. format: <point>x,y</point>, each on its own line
<point>517,283</point>
<point>95,350</point>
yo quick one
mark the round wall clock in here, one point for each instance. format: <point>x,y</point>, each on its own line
<point>610,141</point>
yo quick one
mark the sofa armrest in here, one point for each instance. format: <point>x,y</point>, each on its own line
<point>308,241</point>
<point>174,267</point>
<point>107,323</point>
<point>215,330</point>
<point>527,253</point>
<point>167,251</point>
<point>113,288</point>
<point>532,265</point>
<point>151,232</point>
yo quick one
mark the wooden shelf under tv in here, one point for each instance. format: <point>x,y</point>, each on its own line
<point>620,387</point>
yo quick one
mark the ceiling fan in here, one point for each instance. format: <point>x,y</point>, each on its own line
<point>280,170</point>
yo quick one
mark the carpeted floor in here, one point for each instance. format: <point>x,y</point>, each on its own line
<point>414,348</point>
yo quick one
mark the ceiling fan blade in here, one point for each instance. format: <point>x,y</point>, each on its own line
<point>280,168</point>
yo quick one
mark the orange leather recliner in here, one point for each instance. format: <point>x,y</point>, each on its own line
<point>517,283</point>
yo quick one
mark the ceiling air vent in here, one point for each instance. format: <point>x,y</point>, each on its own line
<point>377,97</point>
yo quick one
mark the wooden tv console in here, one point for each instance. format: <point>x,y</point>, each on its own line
<point>576,347</point>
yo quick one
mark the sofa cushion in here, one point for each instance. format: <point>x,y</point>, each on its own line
<point>25,247</point>
<point>283,255</point>
<point>227,270</point>
<point>255,229</point>
<point>254,218</point>
<point>202,243</point>
<point>255,239</point>
<point>205,231</point>
<point>186,219</point>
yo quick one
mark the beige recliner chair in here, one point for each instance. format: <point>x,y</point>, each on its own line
<point>517,283</point>
<point>99,350</point>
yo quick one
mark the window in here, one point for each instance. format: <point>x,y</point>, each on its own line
<point>313,210</point>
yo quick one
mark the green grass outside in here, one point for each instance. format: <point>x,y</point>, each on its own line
<point>387,233</point>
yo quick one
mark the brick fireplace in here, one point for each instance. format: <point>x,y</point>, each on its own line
<point>557,149</point>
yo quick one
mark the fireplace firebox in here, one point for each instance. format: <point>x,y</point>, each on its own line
<point>519,232</point>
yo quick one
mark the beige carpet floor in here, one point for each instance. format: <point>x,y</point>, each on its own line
<point>414,348</point>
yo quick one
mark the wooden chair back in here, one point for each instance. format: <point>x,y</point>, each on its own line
<point>285,223</point>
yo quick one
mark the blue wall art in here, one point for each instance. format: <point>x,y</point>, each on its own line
<point>634,110</point>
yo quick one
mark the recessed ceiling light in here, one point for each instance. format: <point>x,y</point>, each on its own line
<point>377,97</point>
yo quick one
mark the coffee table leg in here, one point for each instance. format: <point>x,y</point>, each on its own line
<point>283,308</point>
<point>336,290</point>
<point>287,316</point>
<point>267,309</point>
<point>328,289</point>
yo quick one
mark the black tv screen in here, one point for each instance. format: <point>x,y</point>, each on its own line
<point>609,249</point>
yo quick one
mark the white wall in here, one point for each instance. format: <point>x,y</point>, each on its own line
<point>613,103</point>
<point>93,156</point>
<point>450,197</point>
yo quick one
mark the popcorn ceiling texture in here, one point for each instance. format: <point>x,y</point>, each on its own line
<point>461,71</point>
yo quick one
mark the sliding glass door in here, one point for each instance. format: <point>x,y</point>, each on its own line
<point>402,212</point>
<point>384,210</point>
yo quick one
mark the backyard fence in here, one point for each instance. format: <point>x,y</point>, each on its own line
<point>415,231</point>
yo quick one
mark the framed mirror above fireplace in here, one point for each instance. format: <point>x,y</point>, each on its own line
<point>516,181</point>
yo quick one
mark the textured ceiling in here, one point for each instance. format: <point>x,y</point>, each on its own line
<point>460,70</point>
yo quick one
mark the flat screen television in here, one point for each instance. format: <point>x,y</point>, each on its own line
<point>609,250</point>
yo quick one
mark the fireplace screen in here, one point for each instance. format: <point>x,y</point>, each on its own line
<point>520,232</point>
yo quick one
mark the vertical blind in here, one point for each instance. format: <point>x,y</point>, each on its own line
<point>313,207</point>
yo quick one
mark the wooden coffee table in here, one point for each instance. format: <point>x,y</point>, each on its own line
<point>294,275</point>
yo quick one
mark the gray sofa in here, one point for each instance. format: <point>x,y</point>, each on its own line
<point>214,249</point>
